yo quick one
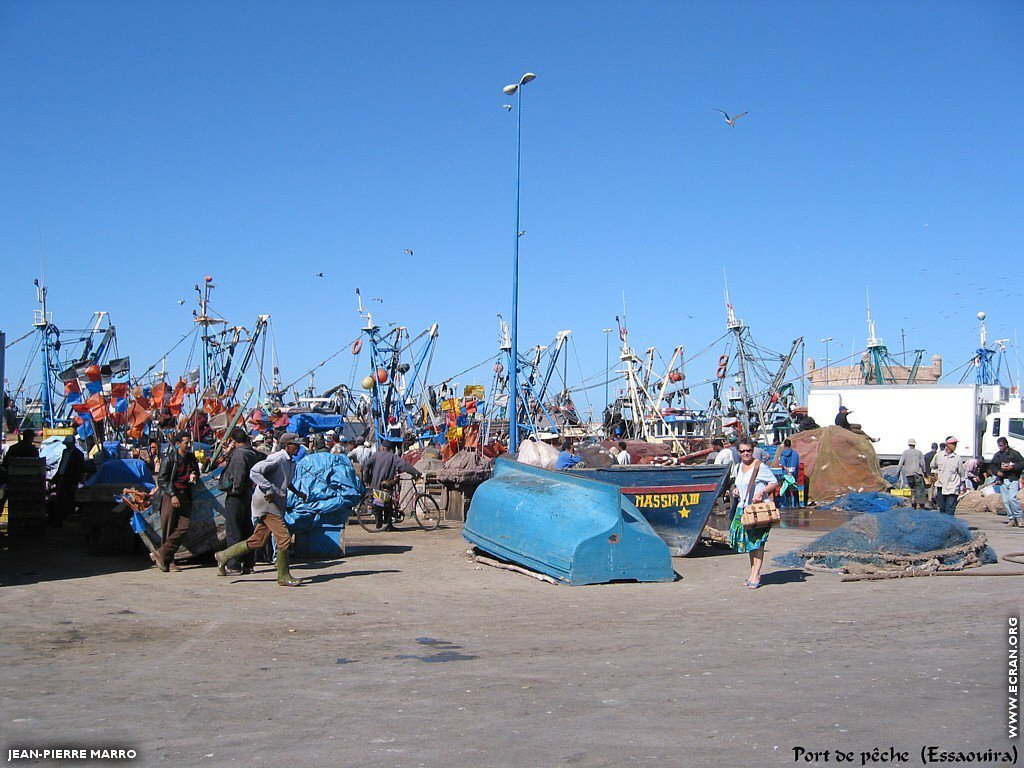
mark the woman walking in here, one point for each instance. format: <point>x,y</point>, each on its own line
<point>752,483</point>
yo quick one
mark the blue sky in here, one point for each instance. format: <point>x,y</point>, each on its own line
<point>145,145</point>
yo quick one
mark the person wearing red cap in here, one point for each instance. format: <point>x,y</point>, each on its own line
<point>951,475</point>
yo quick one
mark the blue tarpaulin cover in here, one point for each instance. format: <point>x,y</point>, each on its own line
<point>121,472</point>
<point>304,423</point>
<point>332,489</point>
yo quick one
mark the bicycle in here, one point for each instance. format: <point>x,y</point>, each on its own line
<point>415,503</point>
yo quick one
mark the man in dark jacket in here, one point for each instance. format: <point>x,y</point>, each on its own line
<point>380,472</point>
<point>843,420</point>
<point>1006,467</point>
<point>25,448</point>
<point>929,475</point>
<point>238,499</point>
<point>179,473</point>
<point>65,481</point>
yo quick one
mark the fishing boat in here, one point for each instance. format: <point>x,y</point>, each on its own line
<point>75,366</point>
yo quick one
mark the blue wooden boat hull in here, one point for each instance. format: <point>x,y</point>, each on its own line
<point>676,501</point>
<point>576,529</point>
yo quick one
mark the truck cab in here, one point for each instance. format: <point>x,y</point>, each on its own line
<point>1008,424</point>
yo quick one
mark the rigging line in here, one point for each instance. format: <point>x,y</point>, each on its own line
<point>598,385</point>
<point>165,354</point>
<point>28,365</point>
<point>957,370</point>
<point>471,368</point>
<point>191,353</point>
<point>579,366</point>
<point>609,370</point>
<point>419,336</point>
<point>322,363</point>
<point>21,338</point>
<point>691,358</point>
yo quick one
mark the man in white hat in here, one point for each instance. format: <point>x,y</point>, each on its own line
<point>911,469</point>
<point>951,474</point>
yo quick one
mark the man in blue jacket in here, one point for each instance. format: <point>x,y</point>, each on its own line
<point>789,460</point>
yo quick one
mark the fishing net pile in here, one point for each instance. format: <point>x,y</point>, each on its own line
<point>906,541</point>
<point>866,503</point>
<point>836,462</point>
<point>465,470</point>
<point>595,455</point>
<point>979,501</point>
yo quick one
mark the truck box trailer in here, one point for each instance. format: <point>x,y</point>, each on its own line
<point>895,413</point>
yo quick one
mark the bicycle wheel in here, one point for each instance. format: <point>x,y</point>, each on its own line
<point>427,512</point>
<point>364,515</point>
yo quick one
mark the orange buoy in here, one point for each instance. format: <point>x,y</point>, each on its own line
<point>382,376</point>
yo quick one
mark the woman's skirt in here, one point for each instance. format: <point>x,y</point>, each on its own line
<point>746,539</point>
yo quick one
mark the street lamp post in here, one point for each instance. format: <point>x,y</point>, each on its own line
<point>513,378</point>
<point>825,342</point>
<point>606,331</point>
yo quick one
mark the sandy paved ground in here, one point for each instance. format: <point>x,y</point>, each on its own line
<point>406,653</point>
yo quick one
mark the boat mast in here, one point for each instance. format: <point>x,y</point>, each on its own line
<point>42,321</point>
<point>737,328</point>
<point>876,352</point>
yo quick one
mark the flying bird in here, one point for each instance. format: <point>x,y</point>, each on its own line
<point>730,121</point>
<point>407,251</point>
<point>507,107</point>
<point>180,302</point>
<point>378,300</point>
<point>319,274</point>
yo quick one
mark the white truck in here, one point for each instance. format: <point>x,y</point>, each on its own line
<point>976,415</point>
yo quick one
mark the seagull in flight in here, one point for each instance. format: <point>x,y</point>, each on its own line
<point>180,302</point>
<point>378,300</point>
<point>730,121</point>
<point>407,251</point>
<point>319,274</point>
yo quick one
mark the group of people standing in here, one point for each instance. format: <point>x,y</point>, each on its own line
<point>937,478</point>
<point>256,489</point>
<point>256,486</point>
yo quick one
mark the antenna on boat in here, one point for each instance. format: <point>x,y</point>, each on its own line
<point>731,321</point>
<point>873,341</point>
<point>363,312</point>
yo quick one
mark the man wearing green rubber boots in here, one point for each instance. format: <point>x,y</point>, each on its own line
<point>273,479</point>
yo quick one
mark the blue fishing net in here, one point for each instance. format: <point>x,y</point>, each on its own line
<point>891,475</point>
<point>900,539</point>
<point>867,503</point>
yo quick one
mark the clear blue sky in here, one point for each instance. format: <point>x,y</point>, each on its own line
<point>143,145</point>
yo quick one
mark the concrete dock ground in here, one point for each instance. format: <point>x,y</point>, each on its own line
<point>407,653</point>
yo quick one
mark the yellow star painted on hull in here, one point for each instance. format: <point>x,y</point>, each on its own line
<point>684,512</point>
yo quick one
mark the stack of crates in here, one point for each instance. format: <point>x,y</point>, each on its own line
<point>26,497</point>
